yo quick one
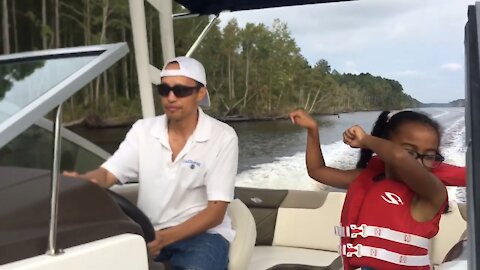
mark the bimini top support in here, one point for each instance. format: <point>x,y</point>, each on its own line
<point>140,44</point>
<point>164,8</point>
<point>184,15</point>
<point>201,36</point>
<point>148,74</point>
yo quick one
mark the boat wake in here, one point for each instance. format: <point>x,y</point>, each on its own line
<point>453,143</point>
<point>291,173</point>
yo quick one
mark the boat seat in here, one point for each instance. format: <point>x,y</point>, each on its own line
<point>241,248</point>
<point>456,257</point>
<point>452,226</point>
<point>266,257</point>
<point>303,236</point>
<point>335,265</point>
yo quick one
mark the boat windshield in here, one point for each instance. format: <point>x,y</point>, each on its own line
<point>23,82</point>
<point>34,83</point>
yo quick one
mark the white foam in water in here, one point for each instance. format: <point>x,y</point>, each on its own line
<point>453,143</point>
<point>440,114</point>
<point>291,173</point>
<point>454,149</point>
<point>284,173</point>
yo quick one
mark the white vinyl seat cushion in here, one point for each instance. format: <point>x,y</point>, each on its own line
<point>303,236</point>
<point>453,265</point>
<point>452,225</point>
<point>265,257</point>
<point>241,248</point>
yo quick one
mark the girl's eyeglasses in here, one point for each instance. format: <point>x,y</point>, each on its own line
<point>428,160</point>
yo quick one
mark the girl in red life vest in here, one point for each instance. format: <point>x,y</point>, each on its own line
<point>395,199</point>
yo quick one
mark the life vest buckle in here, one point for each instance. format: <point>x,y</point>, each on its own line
<point>358,230</point>
<point>351,250</point>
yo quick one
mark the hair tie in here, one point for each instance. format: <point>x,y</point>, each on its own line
<point>389,116</point>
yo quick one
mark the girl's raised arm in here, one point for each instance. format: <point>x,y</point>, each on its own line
<point>315,163</point>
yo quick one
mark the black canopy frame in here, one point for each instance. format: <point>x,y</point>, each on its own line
<point>209,7</point>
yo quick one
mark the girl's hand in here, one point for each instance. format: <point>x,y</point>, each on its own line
<point>303,119</point>
<point>354,137</point>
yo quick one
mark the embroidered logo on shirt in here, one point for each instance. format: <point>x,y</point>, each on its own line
<point>392,198</point>
<point>192,163</point>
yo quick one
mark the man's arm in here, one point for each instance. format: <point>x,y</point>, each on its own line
<point>208,218</point>
<point>100,176</point>
<point>121,166</point>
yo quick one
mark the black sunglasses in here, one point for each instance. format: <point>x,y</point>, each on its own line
<point>178,90</point>
<point>428,160</point>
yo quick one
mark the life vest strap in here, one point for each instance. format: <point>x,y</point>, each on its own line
<point>353,231</point>
<point>349,250</point>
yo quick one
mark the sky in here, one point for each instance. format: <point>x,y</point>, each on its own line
<point>417,42</point>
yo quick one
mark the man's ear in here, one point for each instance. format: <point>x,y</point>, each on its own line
<point>201,93</point>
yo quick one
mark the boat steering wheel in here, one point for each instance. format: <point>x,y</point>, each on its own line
<point>133,212</point>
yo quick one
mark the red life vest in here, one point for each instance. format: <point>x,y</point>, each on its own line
<point>451,175</point>
<point>378,230</point>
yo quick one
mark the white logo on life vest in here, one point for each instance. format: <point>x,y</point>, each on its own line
<point>392,198</point>
<point>408,238</point>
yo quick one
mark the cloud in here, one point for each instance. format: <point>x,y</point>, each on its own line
<point>351,67</point>
<point>339,27</point>
<point>408,40</point>
<point>409,73</point>
<point>451,66</point>
<point>400,30</point>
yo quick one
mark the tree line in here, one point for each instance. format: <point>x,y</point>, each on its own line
<point>255,71</point>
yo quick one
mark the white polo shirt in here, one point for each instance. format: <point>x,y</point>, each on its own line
<point>172,192</point>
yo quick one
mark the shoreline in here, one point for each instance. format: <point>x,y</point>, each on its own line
<point>98,123</point>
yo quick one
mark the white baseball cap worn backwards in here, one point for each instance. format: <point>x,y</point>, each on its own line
<point>190,68</point>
